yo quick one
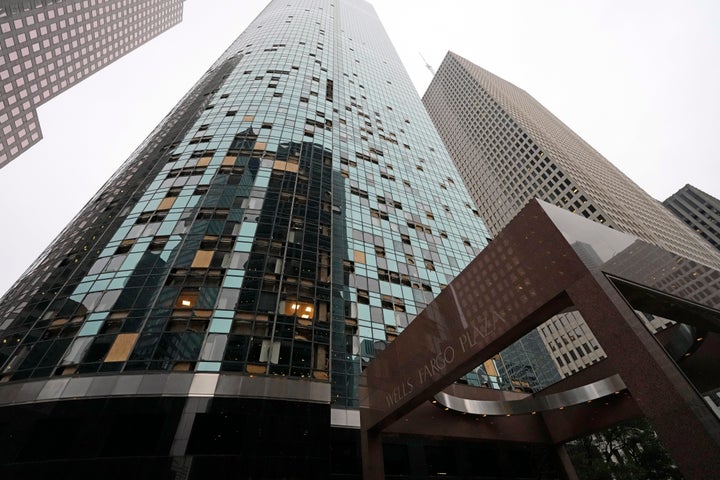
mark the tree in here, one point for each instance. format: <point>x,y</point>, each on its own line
<point>629,451</point>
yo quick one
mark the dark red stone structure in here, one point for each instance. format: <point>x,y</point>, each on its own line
<point>536,267</point>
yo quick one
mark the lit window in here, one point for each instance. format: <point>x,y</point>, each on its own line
<point>187,299</point>
<point>301,309</point>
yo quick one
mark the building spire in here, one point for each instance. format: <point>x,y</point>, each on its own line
<point>427,65</point>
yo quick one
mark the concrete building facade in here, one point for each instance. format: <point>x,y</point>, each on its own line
<point>48,46</point>
<point>510,149</point>
<point>698,210</point>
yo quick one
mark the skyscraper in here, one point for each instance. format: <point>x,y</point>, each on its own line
<point>49,46</point>
<point>509,149</point>
<point>210,308</point>
<point>698,210</point>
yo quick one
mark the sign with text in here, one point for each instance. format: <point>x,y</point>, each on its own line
<point>505,292</point>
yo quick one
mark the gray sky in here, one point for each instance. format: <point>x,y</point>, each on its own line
<point>638,80</point>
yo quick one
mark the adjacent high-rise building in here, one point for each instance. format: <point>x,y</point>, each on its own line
<point>47,46</point>
<point>510,149</point>
<point>699,211</point>
<point>210,309</point>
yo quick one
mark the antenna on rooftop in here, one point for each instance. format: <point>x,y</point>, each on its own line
<point>427,65</point>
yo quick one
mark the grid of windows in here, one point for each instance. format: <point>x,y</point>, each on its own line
<point>49,46</point>
<point>509,149</point>
<point>699,211</point>
<point>529,153</point>
<point>290,218</point>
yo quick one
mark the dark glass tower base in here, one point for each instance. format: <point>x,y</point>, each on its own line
<point>165,438</point>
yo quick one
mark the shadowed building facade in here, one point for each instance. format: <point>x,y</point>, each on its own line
<point>510,149</point>
<point>698,210</point>
<point>48,46</point>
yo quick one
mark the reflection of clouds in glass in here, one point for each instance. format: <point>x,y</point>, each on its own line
<point>594,243</point>
<point>587,254</point>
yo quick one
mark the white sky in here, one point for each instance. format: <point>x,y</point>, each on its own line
<point>638,80</point>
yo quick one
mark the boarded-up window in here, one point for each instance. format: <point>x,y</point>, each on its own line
<point>359,256</point>
<point>202,259</point>
<point>490,368</point>
<point>285,166</point>
<point>120,350</point>
<point>255,369</point>
<point>166,203</point>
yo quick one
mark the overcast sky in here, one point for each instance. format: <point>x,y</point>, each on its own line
<point>638,80</point>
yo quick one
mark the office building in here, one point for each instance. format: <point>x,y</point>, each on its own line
<point>47,46</point>
<point>210,310</point>
<point>698,210</point>
<point>509,149</point>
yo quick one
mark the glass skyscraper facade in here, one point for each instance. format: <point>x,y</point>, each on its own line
<point>301,151</point>
<point>213,304</point>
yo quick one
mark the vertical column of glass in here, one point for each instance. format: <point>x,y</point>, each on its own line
<point>409,222</point>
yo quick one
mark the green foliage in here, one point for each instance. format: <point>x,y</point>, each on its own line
<point>629,451</point>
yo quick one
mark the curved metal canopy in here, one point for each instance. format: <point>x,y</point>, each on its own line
<point>531,404</point>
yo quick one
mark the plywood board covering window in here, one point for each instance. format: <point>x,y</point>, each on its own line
<point>256,369</point>
<point>490,368</point>
<point>359,256</point>
<point>204,161</point>
<point>166,203</point>
<point>285,166</point>
<point>229,161</point>
<point>202,259</point>
<point>120,350</point>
